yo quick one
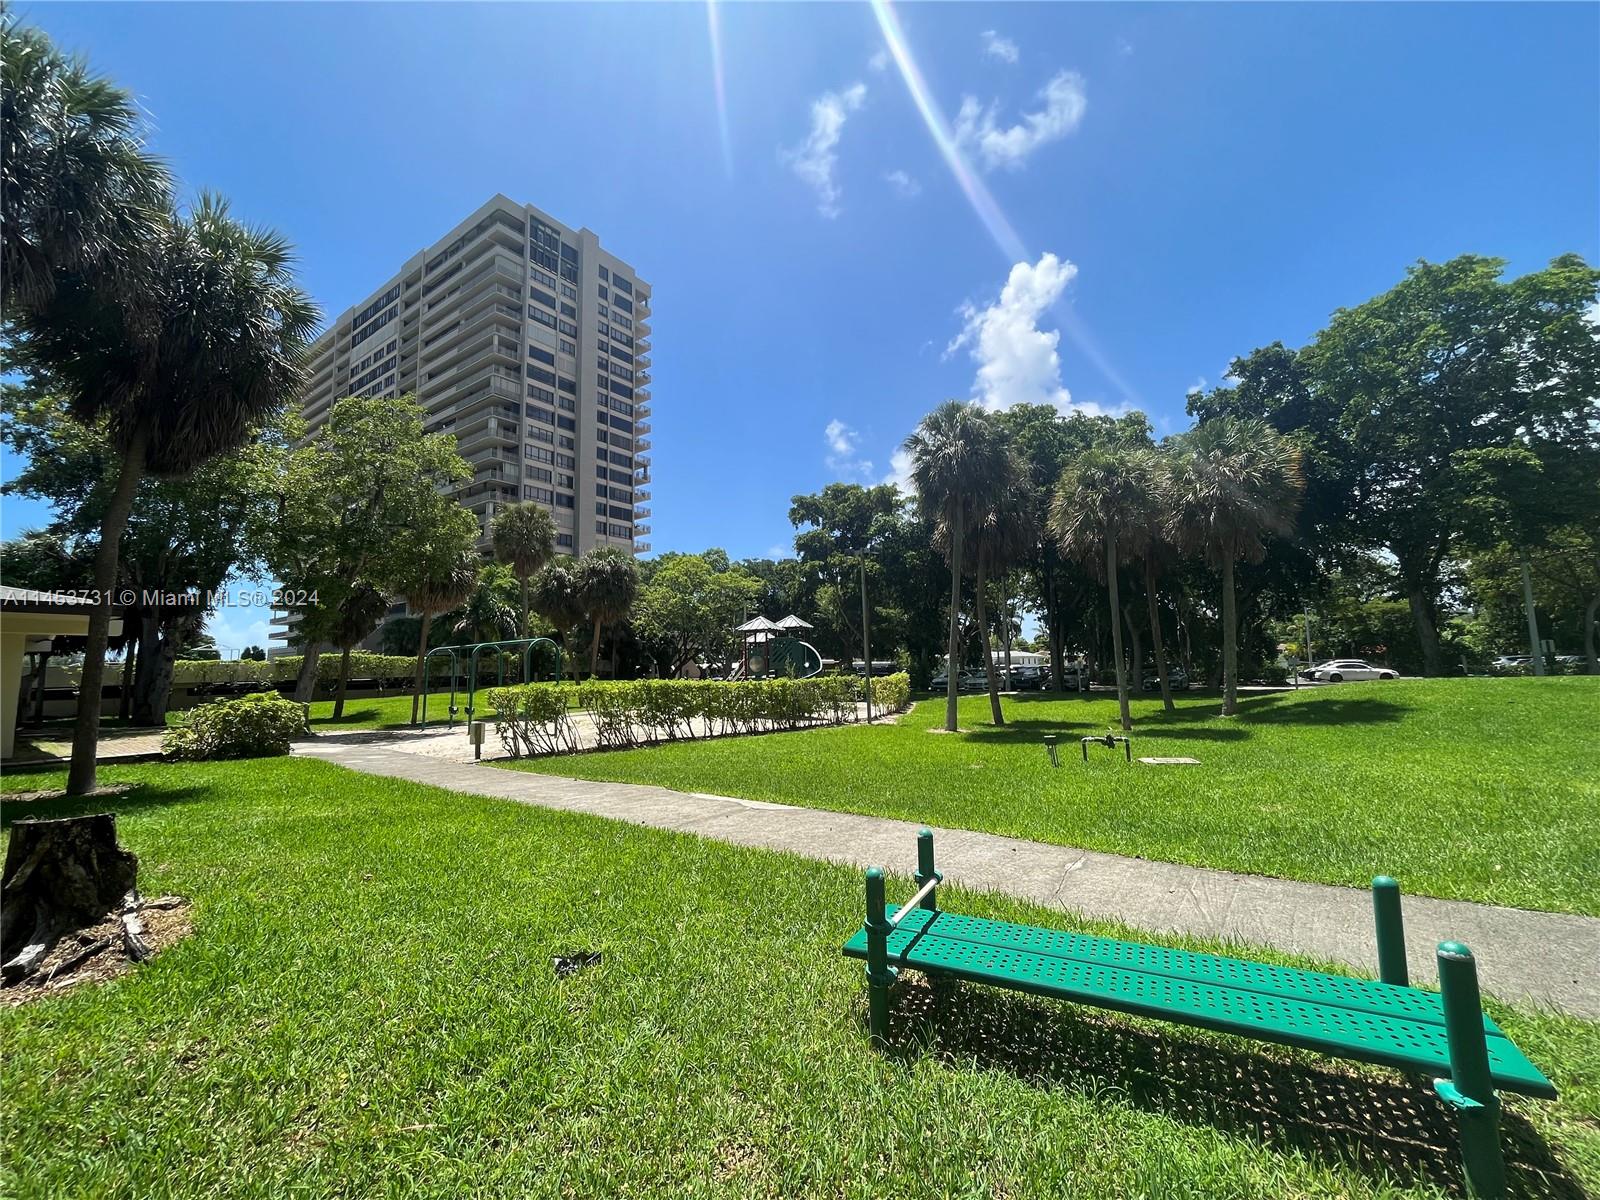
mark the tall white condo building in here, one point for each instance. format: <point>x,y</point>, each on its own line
<point>531,343</point>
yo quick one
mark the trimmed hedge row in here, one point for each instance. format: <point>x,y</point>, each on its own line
<point>536,719</point>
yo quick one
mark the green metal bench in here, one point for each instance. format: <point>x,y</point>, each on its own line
<point>1388,1023</point>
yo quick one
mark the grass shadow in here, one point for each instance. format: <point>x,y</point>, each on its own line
<point>1387,1126</point>
<point>139,796</point>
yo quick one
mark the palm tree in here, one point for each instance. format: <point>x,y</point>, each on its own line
<point>608,580</point>
<point>358,615</point>
<point>487,613</point>
<point>79,191</point>
<point>1002,533</point>
<point>1158,550</point>
<point>957,453</point>
<point>555,598</point>
<point>1100,518</point>
<point>1236,483</point>
<point>524,539</point>
<point>440,576</point>
<point>213,349</point>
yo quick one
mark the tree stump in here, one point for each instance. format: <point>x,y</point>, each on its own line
<point>59,876</point>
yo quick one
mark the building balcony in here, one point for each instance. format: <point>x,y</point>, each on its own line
<point>641,360</point>
<point>641,547</point>
<point>497,349</point>
<point>641,377</point>
<point>640,529</point>
<point>641,427</point>
<point>500,315</point>
<point>641,474</point>
<point>640,445</point>
<point>640,511</point>
<point>494,432</point>
<point>641,494</point>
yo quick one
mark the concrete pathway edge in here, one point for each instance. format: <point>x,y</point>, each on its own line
<point>1546,960</point>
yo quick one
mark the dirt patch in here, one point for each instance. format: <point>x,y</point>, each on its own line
<point>108,792</point>
<point>76,960</point>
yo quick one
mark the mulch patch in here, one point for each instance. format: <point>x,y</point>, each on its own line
<point>60,973</point>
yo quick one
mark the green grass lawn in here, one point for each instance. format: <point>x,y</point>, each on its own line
<point>390,712</point>
<point>1480,789</point>
<point>367,1007</point>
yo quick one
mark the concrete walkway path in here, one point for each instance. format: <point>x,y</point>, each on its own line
<point>1548,959</point>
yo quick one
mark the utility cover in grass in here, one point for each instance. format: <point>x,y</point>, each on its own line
<point>1171,762</point>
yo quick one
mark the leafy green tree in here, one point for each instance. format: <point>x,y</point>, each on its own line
<point>253,653</point>
<point>556,597</point>
<point>608,581</point>
<point>957,453</point>
<point>349,505</point>
<point>213,349</point>
<point>1452,359</point>
<point>1101,518</point>
<point>689,609</point>
<point>440,574</point>
<point>360,609</point>
<point>524,539</point>
<point>1235,484</point>
<point>836,531</point>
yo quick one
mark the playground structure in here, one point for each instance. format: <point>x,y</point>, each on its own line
<point>526,645</point>
<point>767,649</point>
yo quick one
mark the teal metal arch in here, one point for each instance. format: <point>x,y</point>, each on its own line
<point>471,653</point>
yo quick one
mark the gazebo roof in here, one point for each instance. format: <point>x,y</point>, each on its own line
<point>758,625</point>
<point>794,622</point>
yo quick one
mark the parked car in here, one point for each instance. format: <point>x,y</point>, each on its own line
<point>1027,678</point>
<point>1177,679</point>
<point>967,681</point>
<point>1338,670</point>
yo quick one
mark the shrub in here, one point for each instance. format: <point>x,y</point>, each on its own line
<point>534,718</point>
<point>254,726</point>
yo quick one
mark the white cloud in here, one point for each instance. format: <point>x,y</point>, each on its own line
<point>880,60</point>
<point>1001,49</point>
<point>235,624</point>
<point>978,130</point>
<point>1018,362</point>
<point>1124,47</point>
<point>1199,385</point>
<point>900,471</point>
<point>778,550</point>
<point>1592,313</point>
<point>903,184</point>
<point>815,158</point>
<point>844,449</point>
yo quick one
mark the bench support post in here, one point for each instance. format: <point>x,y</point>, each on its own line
<point>925,869</point>
<point>1391,932</point>
<point>1470,1088</point>
<point>880,975</point>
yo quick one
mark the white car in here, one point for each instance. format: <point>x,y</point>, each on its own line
<point>1338,670</point>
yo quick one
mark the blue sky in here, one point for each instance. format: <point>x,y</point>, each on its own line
<point>1126,195</point>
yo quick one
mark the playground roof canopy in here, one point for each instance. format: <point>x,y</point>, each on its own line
<point>758,625</point>
<point>794,622</point>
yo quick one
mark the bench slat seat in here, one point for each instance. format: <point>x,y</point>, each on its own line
<point>1378,1023</point>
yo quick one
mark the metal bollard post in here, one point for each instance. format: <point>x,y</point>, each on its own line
<point>475,732</point>
<point>925,870</point>
<point>1390,930</point>
<point>1470,1088</point>
<point>880,975</point>
<point>1050,749</point>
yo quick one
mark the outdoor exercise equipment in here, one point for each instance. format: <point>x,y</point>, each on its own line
<point>1443,1035</point>
<point>1109,741</point>
<point>467,654</point>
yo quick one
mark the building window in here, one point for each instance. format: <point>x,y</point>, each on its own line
<point>566,423</point>
<point>622,304</point>
<point>567,347</point>
<point>621,284</point>
<point>568,311</point>
<point>564,501</point>
<point>542,495</point>
<point>544,298</point>
<point>605,274</point>
<point>539,393</point>
<point>546,319</point>
<point>540,414</point>
<point>571,293</point>
<point>548,280</point>
<point>604,294</point>
<point>568,328</point>
<point>564,540</point>
<point>543,376</point>
<point>543,356</point>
